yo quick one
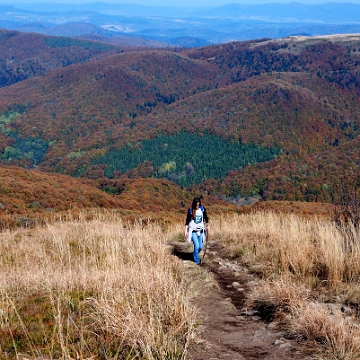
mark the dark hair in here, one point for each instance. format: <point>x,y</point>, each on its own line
<point>193,206</point>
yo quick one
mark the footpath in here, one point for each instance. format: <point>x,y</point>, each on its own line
<point>228,330</point>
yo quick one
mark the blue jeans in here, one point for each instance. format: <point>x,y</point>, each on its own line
<point>198,245</point>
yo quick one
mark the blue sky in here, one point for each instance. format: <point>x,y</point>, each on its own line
<point>219,2</point>
<point>190,3</point>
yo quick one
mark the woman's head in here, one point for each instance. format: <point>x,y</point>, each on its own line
<point>196,203</point>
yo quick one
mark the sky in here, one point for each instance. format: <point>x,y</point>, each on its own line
<point>191,3</point>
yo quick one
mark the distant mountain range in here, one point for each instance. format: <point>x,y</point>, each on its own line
<point>277,118</point>
<point>180,26</point>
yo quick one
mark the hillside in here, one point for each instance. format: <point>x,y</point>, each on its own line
<point>103,99</point>
<point>297,97</point>
<point>29,196</point>
<point>25,55</point>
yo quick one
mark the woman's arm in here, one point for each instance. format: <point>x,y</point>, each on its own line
<point>188,219</point>
<point>206,218</point>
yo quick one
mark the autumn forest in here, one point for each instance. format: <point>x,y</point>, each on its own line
<point>278,119</point>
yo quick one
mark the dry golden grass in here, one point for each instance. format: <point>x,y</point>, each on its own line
<point>102,288</point>
<point>284,296</point>
<point>302,262</point>
<point>338,336</point>
<point>290,246</point>
<point>89,289</point>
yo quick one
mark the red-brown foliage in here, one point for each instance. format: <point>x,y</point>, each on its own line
<point>25,55</point>
<point>29,196</point>
<point>303,98</point>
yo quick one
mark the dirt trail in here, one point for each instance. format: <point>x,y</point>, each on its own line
<point>228,330</point>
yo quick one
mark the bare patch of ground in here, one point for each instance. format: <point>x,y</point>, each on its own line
<point>228,330</point>
<point>297,43</point>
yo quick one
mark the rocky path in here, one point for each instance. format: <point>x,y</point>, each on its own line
<point>228,330</point>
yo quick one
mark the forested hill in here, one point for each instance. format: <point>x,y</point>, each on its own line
<point>25,55</point>
<point>295,101</point>
<point>30,196</point>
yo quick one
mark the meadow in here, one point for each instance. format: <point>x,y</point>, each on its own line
<point>105,288</point>
<point>310,271</point>
<point>92,289</point>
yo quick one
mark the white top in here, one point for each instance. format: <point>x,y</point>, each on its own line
<point>196,224</point>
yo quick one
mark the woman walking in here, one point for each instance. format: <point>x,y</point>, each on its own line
<point>196,224</point>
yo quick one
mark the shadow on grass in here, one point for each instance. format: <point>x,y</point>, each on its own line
<point>182,251</point>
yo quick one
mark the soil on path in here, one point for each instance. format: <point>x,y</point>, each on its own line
<point>228,329</point>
